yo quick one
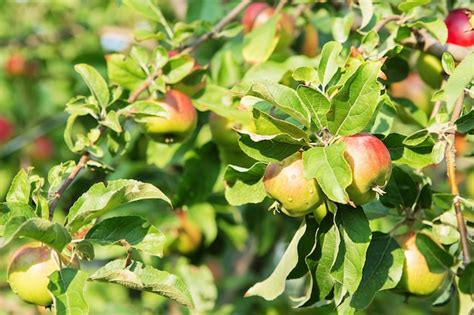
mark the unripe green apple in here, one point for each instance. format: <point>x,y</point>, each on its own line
<point>417,279</point>
<point>29,269</point>
<point>285,182</point>
<point>320,212</point>
<point>371,166</point>
<point>430,70</point>
<point>259,13</point>
<point>414,89</point>
<point>181,121</point>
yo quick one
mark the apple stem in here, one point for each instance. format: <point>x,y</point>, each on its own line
<point>450,156</point>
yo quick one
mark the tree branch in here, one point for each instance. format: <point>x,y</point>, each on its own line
<point>218,27</point>
<point>451,172</point>
<point>427,43</point>
<point>381,24</point>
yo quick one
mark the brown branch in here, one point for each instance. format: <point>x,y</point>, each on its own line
<point>57,195</point>
<point>280,5</point>
<point>451,172</point>
<point>300,10</point>
<point>218,27</point>
<point>427,43</point>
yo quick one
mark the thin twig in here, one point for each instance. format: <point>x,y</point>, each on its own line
<point>280,5</point>
<point>381,24</point>
<point>218,27</point>
<point>300,9</point>
<point>451,172</point>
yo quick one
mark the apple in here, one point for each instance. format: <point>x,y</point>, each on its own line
<point>371,166</point>
<point>29,269</point>
<point>189,235</point>
<point>16,65</point>
<point>6,129</point>
<point>414,89</point>
<point>259,13</point>
<point>285,182</point>
<point>309,41</point>
<point>41,150</point>
<point>461,144</point>
<point>460,29</point>
<point>181,121</point>
<point>430,70</point>
<point>417,279</point>
<point>320,212</point>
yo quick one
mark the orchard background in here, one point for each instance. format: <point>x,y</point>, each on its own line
<point>236,157</point>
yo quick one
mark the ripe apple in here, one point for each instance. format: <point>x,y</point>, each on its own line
<point>181,121</point>
<point>430,70</point>
<point>371,166</point>
<point>259,13</point>
<point>29,269</point>
<point>41,150</point>
<point>309,41</point>
<point>414,89</point>
<point>6,129</point>
<point>460,29</point>
<point>285,182</point>
<point>417,279</point>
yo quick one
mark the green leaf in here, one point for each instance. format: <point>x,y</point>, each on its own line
<point>177,68</point>
<point>137,231</point>
<point>284,98</point>
<point>201,171</point>
<point>124,71</point>
<point>20,188</point>
<point>269,125</point>
<point>461,77</point>
<point>356,235</point>
<point>466,280</point>
<point>111,121</point>
<point>317,104</point>
<point>353,107</point>
<point>204,215</point>
<point>382,270</point>
<point>95,82</point>
<point>200,283</point>
<point>341,27</point>
<point>145,109</point>
<point>260,43</point>
<point>244,185</point>
<point>274,285</point>
<point>100,199</point>
<point>408,5</point>
<point>435,26</point>
<point>149,10</point>
<point>437,258</point>
<point>330,240</point>
<point>465,124</point>
<point>308,75</point>
<point>144,278</point>
<point>416,157</point>
<point>401,190</point>
<point>267,150</point>
<point>331,170</point>
<point>447,61</point>
<point>328,64</point>
<point>9,210</point>
<point>67,286</point>
<point>52,234</point>
<point>367,11</point>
